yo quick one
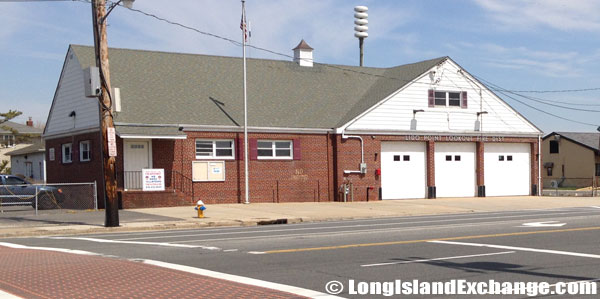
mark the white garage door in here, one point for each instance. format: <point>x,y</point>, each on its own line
<point>507,169</point>
<point>403,170</point>
<point>455,169</point>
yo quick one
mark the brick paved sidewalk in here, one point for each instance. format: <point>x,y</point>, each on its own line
<point>47,274</point>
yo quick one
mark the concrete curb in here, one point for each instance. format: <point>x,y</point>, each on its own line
<point>155,226</point>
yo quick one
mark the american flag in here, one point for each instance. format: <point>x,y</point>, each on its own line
<point>244,26</point>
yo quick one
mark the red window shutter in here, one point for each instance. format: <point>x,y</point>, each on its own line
<point>463,100</point>
<point>297,152</point>
<point>239,147</point>
<point>431,98</point>
<point>253,148</point>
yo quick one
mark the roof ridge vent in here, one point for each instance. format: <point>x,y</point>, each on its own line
<point>303,54</point>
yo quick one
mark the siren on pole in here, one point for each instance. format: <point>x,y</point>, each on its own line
<point>361,22</point>
<point>361,28</point>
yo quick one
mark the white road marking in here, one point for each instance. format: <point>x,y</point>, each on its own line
<point>543,224</point>
<point>572,209</point>
<point>350,232</point>
<point>245,280</point>
<point>218,275</point>
<point>335,227</point>
<point>438,259</point>
<point>136,243</point>
<point>349,226</point>
<point>256,252</point>
<point>595,207</point>
<point>230,250</point>
<point>5,295</point>
<point>559,252</point>
<point>73,251</point>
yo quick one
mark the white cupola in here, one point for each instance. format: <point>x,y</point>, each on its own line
<point>303,54</point>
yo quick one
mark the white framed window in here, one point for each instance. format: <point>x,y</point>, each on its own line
<point>275,149</point>
<point>84,151</point>
<point>67,153</point>
<point>214,149</point>
<point>447,99</point>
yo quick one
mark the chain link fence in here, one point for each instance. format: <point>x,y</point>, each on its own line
<point>571,186</point>
<point>42,198</point>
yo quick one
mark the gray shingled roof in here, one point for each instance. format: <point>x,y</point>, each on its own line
<point>590,140</point>
<point>174,88</point>
<point>37,147</point>
<point>22,129</point>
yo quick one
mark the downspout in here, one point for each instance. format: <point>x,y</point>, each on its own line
<point>539,165</point>
<point>362,152</point>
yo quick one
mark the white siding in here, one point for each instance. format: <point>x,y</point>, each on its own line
<point>70,96</point>
<point>395,113</point>
<point>18,166</point>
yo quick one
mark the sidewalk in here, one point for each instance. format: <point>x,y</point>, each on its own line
<point>49,274</point>
<point>264,213</point>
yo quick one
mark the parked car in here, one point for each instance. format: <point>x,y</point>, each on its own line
<point>17,191</point>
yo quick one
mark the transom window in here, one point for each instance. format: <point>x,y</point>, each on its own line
<point>274,149</point>
<point>211,149</point>
<point>447,99</point>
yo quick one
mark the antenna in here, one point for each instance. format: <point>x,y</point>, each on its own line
<point>361,28</point>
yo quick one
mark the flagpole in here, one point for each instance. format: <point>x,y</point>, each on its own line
<point>247,193</point>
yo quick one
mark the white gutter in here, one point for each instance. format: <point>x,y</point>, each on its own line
<point>441,133</point>
<point>362,152</point>
<point>131,136</point>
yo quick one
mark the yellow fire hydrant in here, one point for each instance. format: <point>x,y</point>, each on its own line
<point>200,208</point>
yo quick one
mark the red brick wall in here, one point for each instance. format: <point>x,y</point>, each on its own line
<point>141,199</point>
<point>76,171</point>
<point>348,158</point>
<point>306,179</point>
<point>317,176</point>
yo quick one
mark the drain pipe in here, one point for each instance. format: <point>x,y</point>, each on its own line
<point>363,166</point>
<point>540,165</point>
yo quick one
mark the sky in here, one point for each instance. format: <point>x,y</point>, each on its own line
<point>544,46</point>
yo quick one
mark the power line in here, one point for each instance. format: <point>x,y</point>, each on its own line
<point>323,64</point>
<point>559,90</point>
<point>500,89</point>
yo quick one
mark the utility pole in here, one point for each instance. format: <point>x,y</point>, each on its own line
<point>106,121</point>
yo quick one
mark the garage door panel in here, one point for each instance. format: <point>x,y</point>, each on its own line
<point>507,169</point>
<point>455,169</point>
<point>403,170</point>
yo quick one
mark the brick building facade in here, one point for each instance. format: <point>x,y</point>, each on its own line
<point>315,133</point>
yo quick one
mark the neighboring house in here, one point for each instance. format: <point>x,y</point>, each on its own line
<point>570,159</point>
<point>29,162</point>
<point>9,141</point>
<point>422,130</point>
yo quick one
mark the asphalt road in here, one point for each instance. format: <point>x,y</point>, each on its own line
<point>559,245</point>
